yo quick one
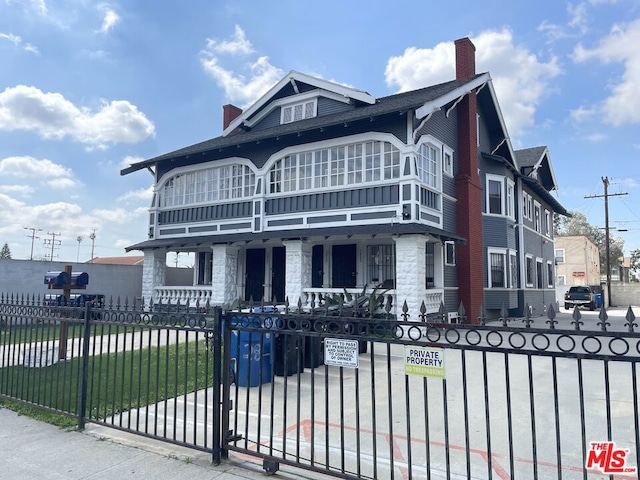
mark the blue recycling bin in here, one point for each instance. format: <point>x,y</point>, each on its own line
<point>251,357</point>
<point>598,297</point>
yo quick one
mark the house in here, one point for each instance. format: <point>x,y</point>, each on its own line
<point>318,187</point>
<point>577,261</point>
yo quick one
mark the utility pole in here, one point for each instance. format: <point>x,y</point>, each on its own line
<point>53,242</point>
<point>33,237</point>
<point>605,182</point>
<point>79,240</point>
<point>92,236</point>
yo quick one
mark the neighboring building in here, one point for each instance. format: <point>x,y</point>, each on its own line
<point>577,261</point>
<point>126,260</point>
<point>318,187</point>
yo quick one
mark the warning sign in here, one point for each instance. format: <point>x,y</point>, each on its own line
<point>341,353</point>
<point>424,361</point>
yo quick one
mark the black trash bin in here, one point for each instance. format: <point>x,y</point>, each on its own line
<point>288,356</point>
<point>313,352</point>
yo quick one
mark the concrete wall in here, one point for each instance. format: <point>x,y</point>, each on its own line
<point>625,294</point>
<point>27,277</point>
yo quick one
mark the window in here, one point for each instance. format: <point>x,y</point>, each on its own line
<point>561,280</point>
<point>447,161</point>
<point>500,196</point>
<point>449,253</point>
<point>430,264</point>
<point>503,268</point>
<point>547,223</point>
<point>219,183</point>
<point>205,264</point>
<point>539,276</point>
<point>536,216</point>
<point>381,264</point>
<point>559,255</point>
<point>298,111</point>
<point>427,165</point>
<point>350,164</point>
<point>550,274</point>
<point>529,270</point>
<point>526,205</point>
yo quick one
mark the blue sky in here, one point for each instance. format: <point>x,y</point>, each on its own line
<point>88,87</point>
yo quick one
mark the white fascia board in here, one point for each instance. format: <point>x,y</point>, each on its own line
<point>545,155</point>
<point>301,77</point>
<point>453,95</point>
<point>502,124</point>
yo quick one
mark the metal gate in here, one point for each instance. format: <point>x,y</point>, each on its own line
<point>420,400</point>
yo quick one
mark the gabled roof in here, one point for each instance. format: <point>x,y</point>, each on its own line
<point>292,78</point>
<point>436,96</point>
<point>535,162</point>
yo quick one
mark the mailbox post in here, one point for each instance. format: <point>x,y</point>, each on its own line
<point>65,281</point>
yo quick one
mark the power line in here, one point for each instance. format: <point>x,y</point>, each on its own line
<point>53,242</point>
<point>605,182</point>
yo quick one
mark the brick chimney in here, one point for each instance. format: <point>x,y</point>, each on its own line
<point>229,114</point>
<point>469,257</point>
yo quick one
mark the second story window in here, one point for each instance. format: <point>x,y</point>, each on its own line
<point>427,164</point>
<point>298,111</point>
<point>499,196</point>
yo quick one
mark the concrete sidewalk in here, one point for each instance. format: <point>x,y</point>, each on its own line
<point>36,450</point>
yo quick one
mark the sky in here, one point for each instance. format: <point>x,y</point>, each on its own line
<point>87,88</point>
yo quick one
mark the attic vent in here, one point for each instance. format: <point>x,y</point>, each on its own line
<point>299,111</point>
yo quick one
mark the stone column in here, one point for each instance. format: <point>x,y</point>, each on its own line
<point>298,270</point>
<point>410,274</point>
<point>153,273</point>
<point>224,274</point>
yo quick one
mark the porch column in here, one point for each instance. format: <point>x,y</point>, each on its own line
<point>224,274</point>
<point>298,270</point>
<point>153,272</point>
<point>410,274</point>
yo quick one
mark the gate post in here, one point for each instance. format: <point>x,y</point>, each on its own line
<point>217,384</point>
<point>85,365</point>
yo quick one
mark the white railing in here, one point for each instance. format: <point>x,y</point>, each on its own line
<point>314,297</point>
<point>433,298</point>
<point>183,294</point>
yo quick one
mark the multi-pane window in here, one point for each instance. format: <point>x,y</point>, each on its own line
<point>536,216</point>
<point>560,255</point>
<point>449,253</point>
<point>219,183</point>
<point>351,164</point>
<point>500,196</point>
<point>299,111</point>
<point>498,270</point>
<point>427,164</point>
<point>381,264</point>
<point>526,205</point>
<point>447,163</point>
<point>494,188</point>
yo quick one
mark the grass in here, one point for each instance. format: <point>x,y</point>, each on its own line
<point>116,382</point>
<point>38,332</point>
<point>37,413</point>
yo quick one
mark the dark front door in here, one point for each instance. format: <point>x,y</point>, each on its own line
<point>344,266</point>
<point>317,265</point>
<point>254,274</point>
<point>278,270</point>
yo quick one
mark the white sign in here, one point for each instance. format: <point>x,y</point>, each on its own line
<point>341,353</point>
<point>424,361</point>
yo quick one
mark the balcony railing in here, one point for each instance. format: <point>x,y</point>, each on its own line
<point>183,294</point>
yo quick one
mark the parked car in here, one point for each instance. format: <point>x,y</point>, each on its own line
<point>580,296</point>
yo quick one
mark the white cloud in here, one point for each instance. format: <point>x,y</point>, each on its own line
<point>110,20</point>
<point>17,41</point>
<point>53,116</point>
<point>29,167</point>
<point>238,88</point>
<point>118,215</point>
<point>129,160</point>
<point>62,183</point>
<point>578,17</point>
<point>520,78</point>
<point>39,6</point>
<point>22,190</point>
<point>144,194</point>
<point>238,45</point>
<point>596,137</point>
<point>620,46</point>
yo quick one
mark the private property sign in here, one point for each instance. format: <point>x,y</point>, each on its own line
<point>424,361</point>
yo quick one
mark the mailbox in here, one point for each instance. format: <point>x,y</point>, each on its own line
<point>56,278</point>
<point>80,279</point>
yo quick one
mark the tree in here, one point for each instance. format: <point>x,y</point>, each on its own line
<point>5,252</point>
<point>635,265</point>
<point>577,224</point>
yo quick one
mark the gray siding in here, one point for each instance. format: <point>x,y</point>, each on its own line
<point>203,214</point>
<point>449,215</point>
<point>363,197</point>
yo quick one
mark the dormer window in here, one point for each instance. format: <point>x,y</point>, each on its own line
<point>299,111</point>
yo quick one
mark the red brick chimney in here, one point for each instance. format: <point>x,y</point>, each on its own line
<point>470,263</point>
<point>229,114</point>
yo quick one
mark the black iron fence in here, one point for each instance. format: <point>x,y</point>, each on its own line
<point>359,396</point>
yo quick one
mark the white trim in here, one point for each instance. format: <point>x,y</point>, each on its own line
<point>301,77</point>
<point>453,252</point>
<point>551,277</point>
<point>446,150</point>
<point>196,167</point>
<point>505,200</point>
<point>526,282</point>
<point>438,103</point>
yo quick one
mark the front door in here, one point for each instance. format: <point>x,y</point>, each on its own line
<point>254,274</point>
<point>278,270</point>
<point>343,266</point>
